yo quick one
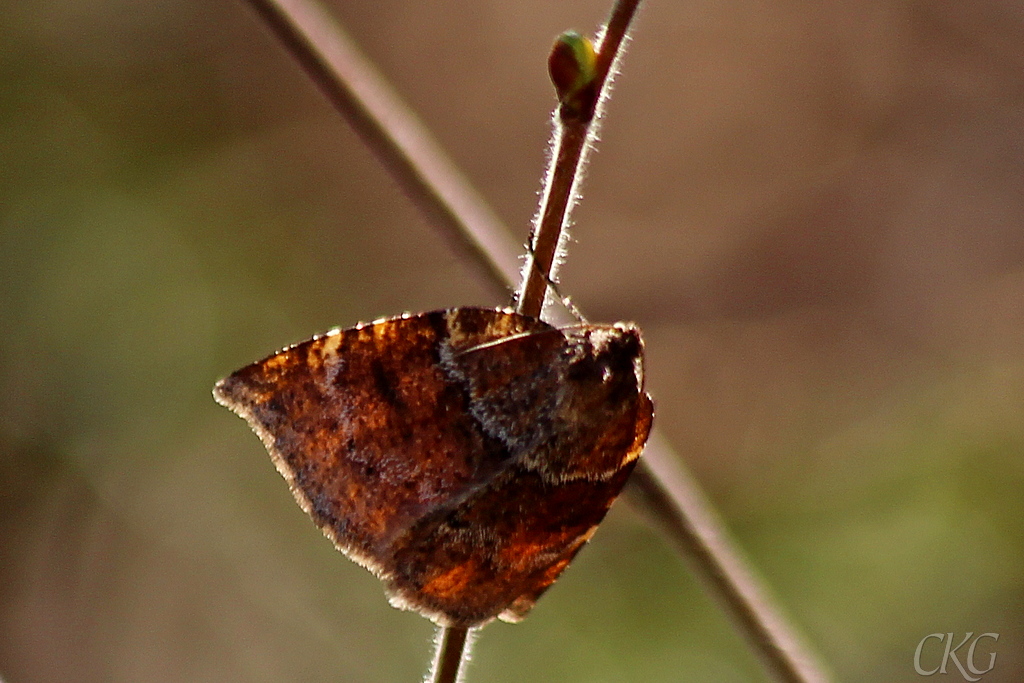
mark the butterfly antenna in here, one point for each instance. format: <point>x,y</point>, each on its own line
<point>505,340</point>
<point>553,286</point>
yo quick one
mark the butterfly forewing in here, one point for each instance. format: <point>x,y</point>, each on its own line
<point>418,445</point>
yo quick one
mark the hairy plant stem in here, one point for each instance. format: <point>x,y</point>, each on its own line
<point>660,482</point>
<point>452,651</point>
<point>575,131</point>
<point>570,143</point>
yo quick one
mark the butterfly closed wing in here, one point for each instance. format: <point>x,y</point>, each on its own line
<point>463,456</point>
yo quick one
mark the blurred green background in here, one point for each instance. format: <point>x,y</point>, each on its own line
<point>815,210</point>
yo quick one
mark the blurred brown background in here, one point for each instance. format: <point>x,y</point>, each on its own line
<point>814,209</point>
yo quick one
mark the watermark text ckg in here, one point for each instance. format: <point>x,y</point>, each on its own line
<point>931,658</point>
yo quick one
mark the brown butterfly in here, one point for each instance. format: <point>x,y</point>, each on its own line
<point>462,456</point>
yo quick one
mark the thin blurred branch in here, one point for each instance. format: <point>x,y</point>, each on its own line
<point>664,491</point>
<point>419,166</point>
<point>396,135</point>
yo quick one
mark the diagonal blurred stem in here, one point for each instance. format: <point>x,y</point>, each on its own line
<point>407,150</point>
<point>665,492</point>
<point>393,132</point>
